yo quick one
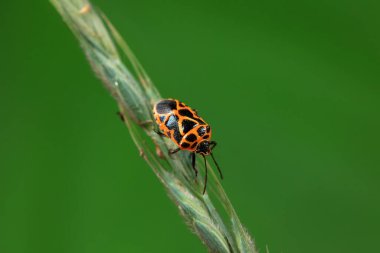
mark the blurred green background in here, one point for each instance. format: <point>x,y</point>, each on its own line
<point>291,89</point>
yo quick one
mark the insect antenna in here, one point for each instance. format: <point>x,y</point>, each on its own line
<point>205,183</point>
<point>217,165</point>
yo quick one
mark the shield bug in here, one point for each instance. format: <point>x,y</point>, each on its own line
<point>186,129</point>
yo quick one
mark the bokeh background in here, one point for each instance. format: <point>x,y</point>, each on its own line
<point>291,89</point>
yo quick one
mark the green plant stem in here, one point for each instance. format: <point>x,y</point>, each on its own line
<point>135,95</point>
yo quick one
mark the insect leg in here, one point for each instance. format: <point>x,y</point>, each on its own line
<point>141,123</point>
<point>217,165</point>
<point>205,183</point>
<point>193,164</point>
<point>159,133</point>
<point>173,151</point>
<point>145,123</point>
<point>121,116</point>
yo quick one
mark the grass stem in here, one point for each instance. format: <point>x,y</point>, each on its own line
<point>219,228</point>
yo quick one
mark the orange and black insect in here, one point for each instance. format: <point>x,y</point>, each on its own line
<point>186,129</point>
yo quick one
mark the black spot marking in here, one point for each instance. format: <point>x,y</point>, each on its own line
<point>162,118</point>
<point>172,122</point>
<point>194,145</point>
<point>191,137</point>
<point>187,125</point>
<point>201,131</point>
<point>206,136</point>
<point>177,135</point>
<point>208,129</point>
<point>181,104</point>
<point>169,134</point>
<point>165,106</point>
<point>185,145</point>
<point>200,122</point>
<point>185,112</point>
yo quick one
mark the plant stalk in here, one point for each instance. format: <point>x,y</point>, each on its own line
<point>218,228</point>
